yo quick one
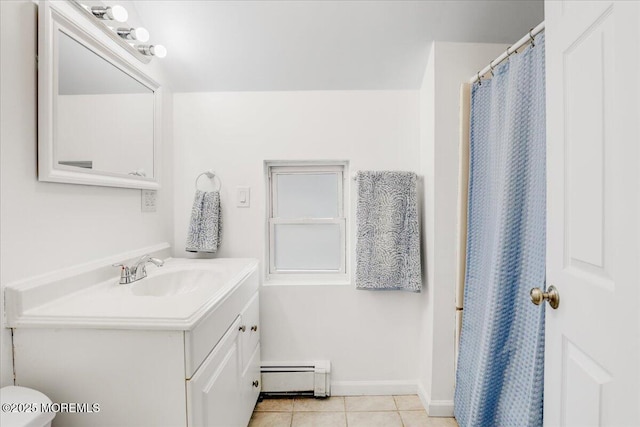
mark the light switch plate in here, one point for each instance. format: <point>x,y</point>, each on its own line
<point>243,197</point>
<point>149,199</point>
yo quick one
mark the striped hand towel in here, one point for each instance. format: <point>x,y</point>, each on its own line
<point>205,226</point>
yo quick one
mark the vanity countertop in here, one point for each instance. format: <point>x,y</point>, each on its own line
<point>173,297</point>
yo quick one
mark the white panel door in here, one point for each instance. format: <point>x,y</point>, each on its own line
<point>592,355</point>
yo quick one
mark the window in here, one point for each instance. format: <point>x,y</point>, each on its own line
<point>306,220</point>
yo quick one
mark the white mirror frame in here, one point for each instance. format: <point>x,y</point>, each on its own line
<point>54,16</point>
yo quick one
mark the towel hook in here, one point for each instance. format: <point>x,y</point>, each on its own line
<point>211,175</point>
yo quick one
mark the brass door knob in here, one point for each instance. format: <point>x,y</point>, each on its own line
<point>242,328</point>
<point>254,328</point>
<point>256,383</point>
<point>552,296</point>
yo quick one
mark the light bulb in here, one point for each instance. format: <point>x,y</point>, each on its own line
<point>118,13</point>
<point>159,50</point>
<point>152,50</point>
<point>115,13</point>
<point>141,34</point>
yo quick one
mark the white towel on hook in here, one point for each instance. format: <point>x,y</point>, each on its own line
<point>205,227</point>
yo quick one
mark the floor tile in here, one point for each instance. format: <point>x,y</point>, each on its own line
<point>319,419</point>
<point>442,422</point>
<point>275,405</point>
<point>310,404</point>
<point>415,419</point>
<point>270,419</point>
<point>370,403</point>
<point>409,402</point>
<point>374,419</point>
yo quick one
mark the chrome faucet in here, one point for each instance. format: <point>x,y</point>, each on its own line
<point>138,270</point>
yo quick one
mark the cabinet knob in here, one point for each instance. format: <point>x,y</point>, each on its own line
<point>254,328</point>
<point>242,328</point>
<point>256,383</point>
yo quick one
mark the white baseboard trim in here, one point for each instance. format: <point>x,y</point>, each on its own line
<point>435,408</point>
<point>373,388</point>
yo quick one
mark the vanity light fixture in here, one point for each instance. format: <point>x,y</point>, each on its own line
<point>126,36</point>
<point>139,34</point>
<point>110,13</point>
<point>156,50</point>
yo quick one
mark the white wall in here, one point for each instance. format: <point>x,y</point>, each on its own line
<point>46,226</point>
<point>368,336</point>
<point>449,65</point>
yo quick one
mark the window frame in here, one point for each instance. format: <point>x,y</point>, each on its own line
<point>275,168</point>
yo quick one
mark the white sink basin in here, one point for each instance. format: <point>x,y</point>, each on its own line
<point>172,283</point>
<point>173,297</point>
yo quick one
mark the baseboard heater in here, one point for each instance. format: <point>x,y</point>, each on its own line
<point>296,378</point>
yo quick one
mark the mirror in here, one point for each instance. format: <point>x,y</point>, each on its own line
<point>105,117</point>
<point>99,114</point>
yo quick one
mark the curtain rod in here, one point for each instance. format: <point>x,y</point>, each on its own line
<point>506,54</point>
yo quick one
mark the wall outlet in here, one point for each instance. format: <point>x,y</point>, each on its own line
<point>149,199</point>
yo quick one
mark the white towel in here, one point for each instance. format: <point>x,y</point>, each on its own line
<point>205,227</point>
<point>388,232</point>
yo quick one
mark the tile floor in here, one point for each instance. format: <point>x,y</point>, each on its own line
<point>351,411</point>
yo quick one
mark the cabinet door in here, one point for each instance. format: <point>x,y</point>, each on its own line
<point>213,393</point>
<point>250,386</point>
<point>250,318</point>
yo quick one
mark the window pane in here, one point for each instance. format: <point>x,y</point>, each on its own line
<point>307,246</point>
<point>307,195</point>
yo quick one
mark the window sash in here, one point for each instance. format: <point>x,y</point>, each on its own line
<point>274,171</point>
<point>307,221</point>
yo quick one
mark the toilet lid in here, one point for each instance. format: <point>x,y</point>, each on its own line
<point>29,399</point>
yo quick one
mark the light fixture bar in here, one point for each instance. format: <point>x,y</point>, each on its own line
<point>110,33</point>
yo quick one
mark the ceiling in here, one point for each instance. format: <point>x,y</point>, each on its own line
<point>319,45</point>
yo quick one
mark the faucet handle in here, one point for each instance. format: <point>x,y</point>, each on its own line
<point>125,273</point>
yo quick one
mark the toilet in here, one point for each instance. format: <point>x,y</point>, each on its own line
<point>29,400</point>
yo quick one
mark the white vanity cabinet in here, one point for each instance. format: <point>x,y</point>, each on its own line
<point>224,389</point>
<point>160,373</point>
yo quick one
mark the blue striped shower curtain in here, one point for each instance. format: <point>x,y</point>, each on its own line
<point>499,379</point>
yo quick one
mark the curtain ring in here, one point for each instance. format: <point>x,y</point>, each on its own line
<point>491,68</point>
<point>479,79</point>
<point>531,37</point>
